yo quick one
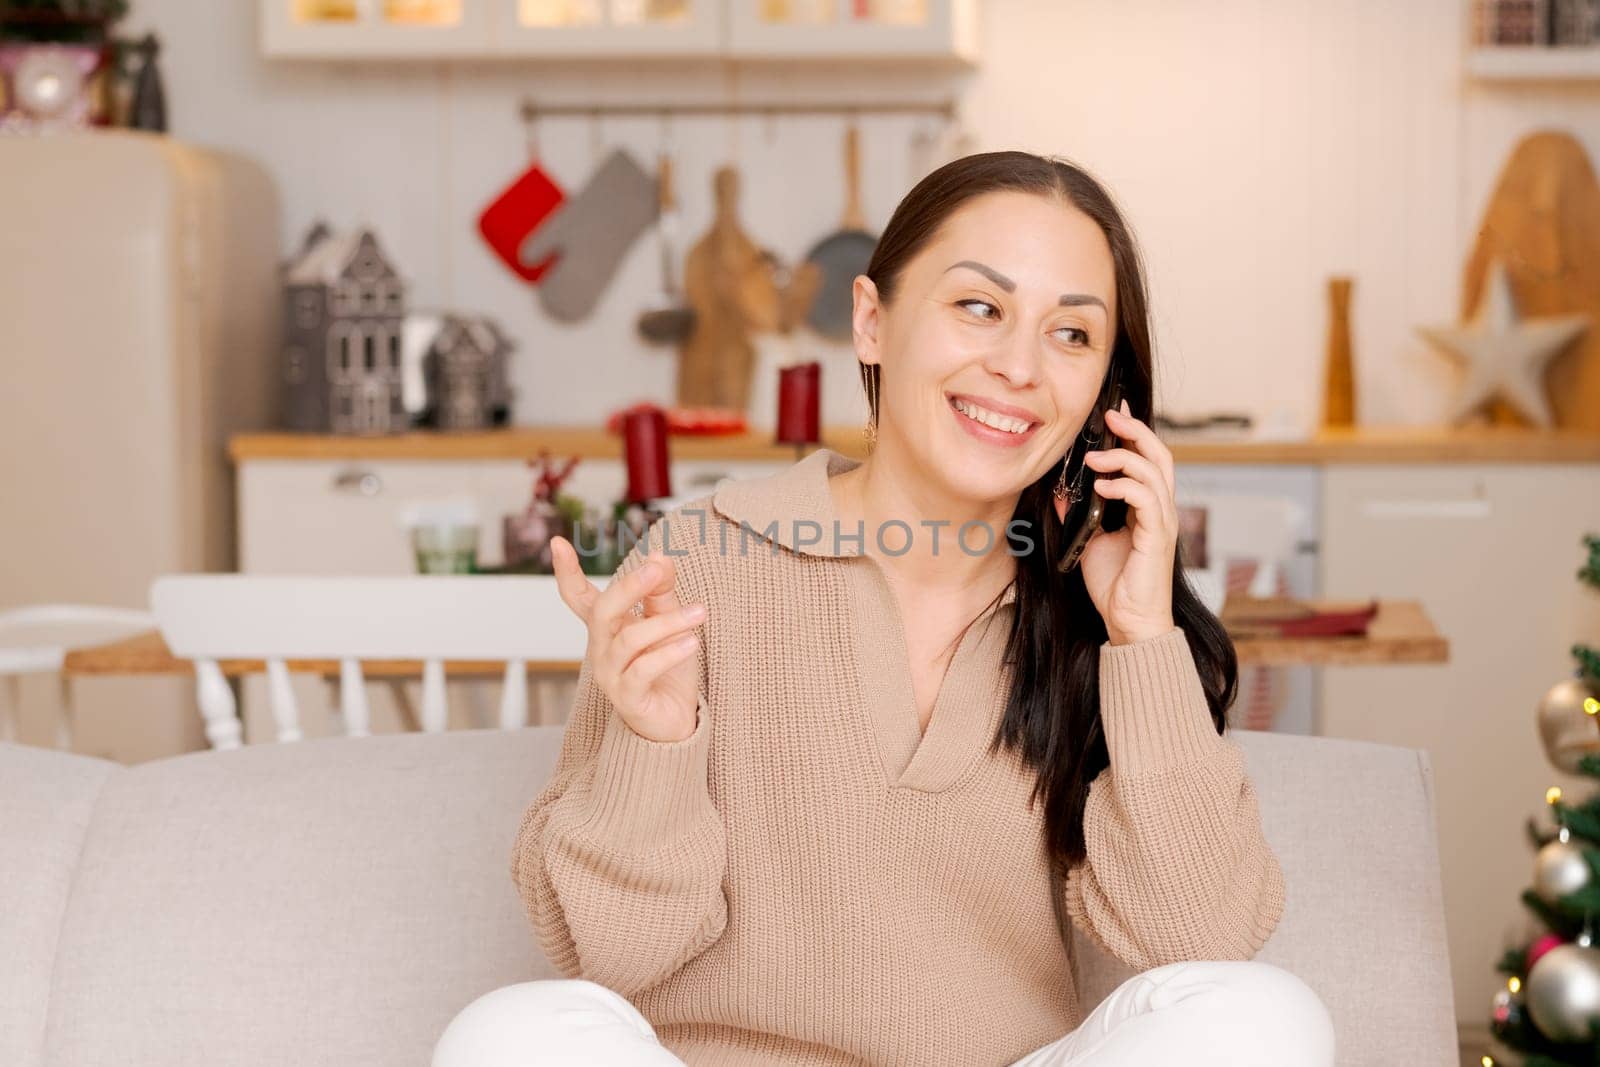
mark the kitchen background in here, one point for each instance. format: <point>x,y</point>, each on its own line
<point>1260,149</point>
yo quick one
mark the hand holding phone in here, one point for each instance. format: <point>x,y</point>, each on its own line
<point>1101,513</point>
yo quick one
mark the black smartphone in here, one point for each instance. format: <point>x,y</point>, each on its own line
<point>1101,513</point>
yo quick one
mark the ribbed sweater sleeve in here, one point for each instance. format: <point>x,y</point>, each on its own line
<point>620,859</point>
<point>1177,866</point>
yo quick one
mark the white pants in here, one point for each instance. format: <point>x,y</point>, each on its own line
<point>1199,1013</point>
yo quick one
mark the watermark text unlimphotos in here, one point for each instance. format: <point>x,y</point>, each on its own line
<point>893,537</point>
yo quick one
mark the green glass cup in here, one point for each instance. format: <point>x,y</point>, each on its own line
<point>445,548</point>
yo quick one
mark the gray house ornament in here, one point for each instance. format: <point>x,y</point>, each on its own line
<point>344,306</point>
<point>465,369</point>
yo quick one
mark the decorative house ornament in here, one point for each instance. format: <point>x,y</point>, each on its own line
<point>344,309</point>
<point>1574,22</point>
<point>465,374</point>
<point>1503,354</point>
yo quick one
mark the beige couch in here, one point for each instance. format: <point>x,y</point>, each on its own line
<point>336,902</point>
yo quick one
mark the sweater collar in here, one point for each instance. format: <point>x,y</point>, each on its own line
<point>793,507</point>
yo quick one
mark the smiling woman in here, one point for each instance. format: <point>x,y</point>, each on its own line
<point>1003,293</point>
<point>831,801</point>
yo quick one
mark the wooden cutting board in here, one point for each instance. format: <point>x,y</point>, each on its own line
<point>728,281</point>
<point>734,286</point>
<point>1543,223</point>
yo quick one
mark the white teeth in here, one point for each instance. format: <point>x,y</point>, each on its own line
<point>989,418</point>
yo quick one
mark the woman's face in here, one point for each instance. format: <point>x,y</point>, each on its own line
<point>993,351</point>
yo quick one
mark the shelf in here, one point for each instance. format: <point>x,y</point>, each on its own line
<point>1534,63</point>
<point>927,32</point>
<point>1366,444</point>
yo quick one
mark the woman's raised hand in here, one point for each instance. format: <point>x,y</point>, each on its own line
<point>644,663</point>
<point>1129,573</point>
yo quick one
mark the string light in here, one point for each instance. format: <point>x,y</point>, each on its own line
<point>1552,795</point>
<point>1591,706</point>
<point>1514,984</point>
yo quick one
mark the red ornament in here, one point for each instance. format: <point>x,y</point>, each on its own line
<point>1540,947</point>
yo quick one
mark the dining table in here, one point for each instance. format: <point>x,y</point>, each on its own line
<point>1399,632</point>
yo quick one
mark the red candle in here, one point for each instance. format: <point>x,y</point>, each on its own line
<point>799,400</point>
<point>644,446</point>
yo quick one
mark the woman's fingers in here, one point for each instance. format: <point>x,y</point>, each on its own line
<point>1132,490</point>
<point>1145,442</point>
<point>644,582</point>
<point>1161,508</point>
<point>1133,465</point>
<point>643,634</point>
<point>1146,514</point>
<point>642,673</point>
<point>576,590</point>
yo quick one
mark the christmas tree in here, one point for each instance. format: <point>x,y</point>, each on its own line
<point>1550,1006</point>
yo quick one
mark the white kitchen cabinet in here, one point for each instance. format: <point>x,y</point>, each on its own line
<point>754,30</point>
<point>373,29</point>
<point>324,516</point>
<point>1491,551</point>
<point>849,29</point>
<point>610,28</point>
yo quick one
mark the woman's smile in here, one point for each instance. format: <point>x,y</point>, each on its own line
<point>989,425</point>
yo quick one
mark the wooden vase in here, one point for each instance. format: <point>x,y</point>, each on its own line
<point>1339,384</point>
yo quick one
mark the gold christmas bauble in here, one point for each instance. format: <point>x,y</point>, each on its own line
<point>1568,732</point>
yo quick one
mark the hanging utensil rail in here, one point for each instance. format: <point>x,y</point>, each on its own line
<point>530,108</point>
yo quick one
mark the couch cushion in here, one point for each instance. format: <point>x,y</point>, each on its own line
<point>328,902</point>
<point>336,902</point>
<point>1352,823</point>
<point>46,802</point>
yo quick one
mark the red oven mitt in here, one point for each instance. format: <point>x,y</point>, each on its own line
<point>515,214</point>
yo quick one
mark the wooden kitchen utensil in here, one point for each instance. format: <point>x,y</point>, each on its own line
<point>667,321</point>
<point>730,285</point>
<point>1543,224</point>
<point>842,254</point>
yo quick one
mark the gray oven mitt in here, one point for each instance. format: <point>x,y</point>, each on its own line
<point>591,230</point>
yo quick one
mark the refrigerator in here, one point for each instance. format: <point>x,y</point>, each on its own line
<point>139,310</point>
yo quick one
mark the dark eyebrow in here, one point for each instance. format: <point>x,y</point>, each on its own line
<point>1067,299</point>
<point>988,272</point>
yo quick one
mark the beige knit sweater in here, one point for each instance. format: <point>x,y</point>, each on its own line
<point>810,879</point>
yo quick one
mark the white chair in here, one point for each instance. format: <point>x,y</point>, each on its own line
<point>432,618</point>
<point>35,640</point>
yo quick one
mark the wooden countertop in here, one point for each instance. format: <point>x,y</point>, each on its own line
<point>147,653</point>
<point>1401,632</point>
<point>1367,444</point>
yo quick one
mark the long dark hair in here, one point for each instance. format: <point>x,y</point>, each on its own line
<point>1052,714</point>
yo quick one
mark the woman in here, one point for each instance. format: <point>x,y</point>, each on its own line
<point>843,772</point>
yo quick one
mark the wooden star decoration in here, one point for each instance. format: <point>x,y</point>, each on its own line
<point>1504,355</point>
